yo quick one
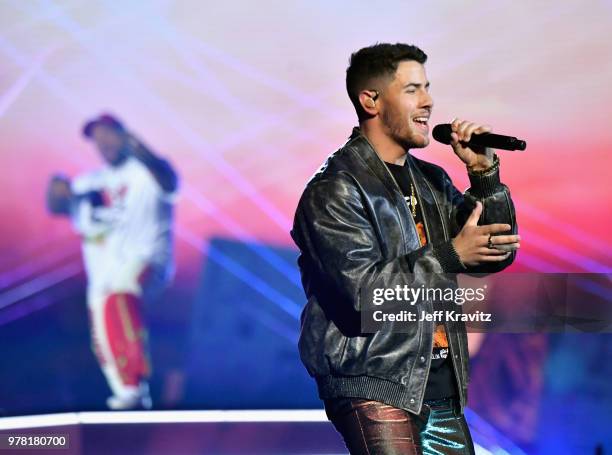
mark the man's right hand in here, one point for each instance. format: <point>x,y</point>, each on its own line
<point>471,244</point>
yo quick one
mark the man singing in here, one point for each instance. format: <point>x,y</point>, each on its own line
<point>375,210</point>
<point>123,213</point>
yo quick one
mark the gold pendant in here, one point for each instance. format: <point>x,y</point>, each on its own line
<point>412,203</point>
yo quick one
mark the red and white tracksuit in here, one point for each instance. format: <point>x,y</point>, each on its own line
<point>119,334</point>
<point>127,250</point>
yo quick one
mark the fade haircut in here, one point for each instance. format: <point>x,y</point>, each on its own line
<point>379,61</point>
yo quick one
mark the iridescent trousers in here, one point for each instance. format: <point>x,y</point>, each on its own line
<point>374,428</point>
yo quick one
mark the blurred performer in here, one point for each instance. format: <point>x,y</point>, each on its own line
<point>123,213</point>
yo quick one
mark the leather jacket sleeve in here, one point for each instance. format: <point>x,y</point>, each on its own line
<point>338,240</point>
<point>497,208</point>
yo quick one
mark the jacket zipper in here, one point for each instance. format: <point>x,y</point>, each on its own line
<point>446,237</point>
<point>428,237</point>
<point>397,187</point>
<point>428,240</point>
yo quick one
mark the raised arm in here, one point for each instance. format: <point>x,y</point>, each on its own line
<point>160,168</point>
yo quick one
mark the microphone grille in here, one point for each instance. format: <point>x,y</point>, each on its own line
<point>442,133</point>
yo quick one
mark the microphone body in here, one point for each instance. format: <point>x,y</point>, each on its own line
<point>442,133</point>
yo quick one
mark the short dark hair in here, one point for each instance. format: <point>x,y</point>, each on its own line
<point>379,60</point>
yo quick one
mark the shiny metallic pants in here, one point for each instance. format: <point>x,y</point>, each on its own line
<point>374,428</point>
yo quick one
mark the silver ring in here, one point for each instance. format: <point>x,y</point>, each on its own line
<point>489,242</point>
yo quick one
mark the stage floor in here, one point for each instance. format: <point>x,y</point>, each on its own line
<point>196,432</point>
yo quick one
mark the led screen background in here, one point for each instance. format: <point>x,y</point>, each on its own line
<point>247,99</point>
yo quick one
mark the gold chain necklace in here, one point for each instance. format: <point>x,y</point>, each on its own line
<point>412,200</point>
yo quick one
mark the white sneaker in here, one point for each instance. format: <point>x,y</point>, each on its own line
<point>138,398</point>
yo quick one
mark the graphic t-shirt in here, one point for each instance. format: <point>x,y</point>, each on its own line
<point>441,381</point>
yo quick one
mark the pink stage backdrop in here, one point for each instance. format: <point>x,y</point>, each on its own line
<point>247,99</point>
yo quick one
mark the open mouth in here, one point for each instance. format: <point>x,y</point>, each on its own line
<point>421,122</point>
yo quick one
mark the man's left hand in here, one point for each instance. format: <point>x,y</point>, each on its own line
<point>475,158</point>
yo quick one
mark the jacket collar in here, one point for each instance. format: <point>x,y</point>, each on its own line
<point>377,166</point>
<point>362,147</point>
<point>374,162</point>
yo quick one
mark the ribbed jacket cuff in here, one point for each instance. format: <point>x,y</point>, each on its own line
<point>448,258</point>
<point>370,388</point>
<point>485,185</point>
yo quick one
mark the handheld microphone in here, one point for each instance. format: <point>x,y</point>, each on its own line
<point>442,133</point>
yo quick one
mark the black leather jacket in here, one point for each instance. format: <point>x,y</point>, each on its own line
<point>352,223</point>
